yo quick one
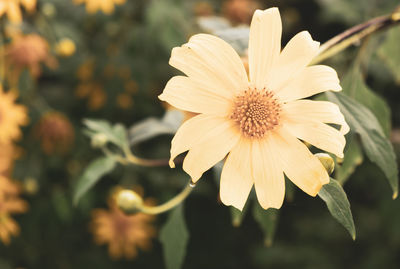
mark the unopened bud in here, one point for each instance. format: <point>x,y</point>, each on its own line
<point>30,186</point>
<point>65,47</point>
<point>49,10</point>
<point>129,201</point>
<point>99,140</point>
<point>326,161</point>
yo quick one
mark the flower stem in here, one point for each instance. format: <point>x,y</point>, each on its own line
<point>154,210</point>
<point>131,158</point>
<point>355,34</point>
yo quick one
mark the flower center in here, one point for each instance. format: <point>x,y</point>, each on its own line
<point>256,112</point>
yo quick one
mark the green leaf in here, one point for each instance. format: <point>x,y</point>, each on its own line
<point>152,127</point>
<point>353,157</point>
<point>389,52</point>
<point>267,220</point>
<point>376,146</point>
<point>355,87</point>
<point>115,134</point>
<point>338,205</point>
<point>174,236</point>
<point>95,170</point>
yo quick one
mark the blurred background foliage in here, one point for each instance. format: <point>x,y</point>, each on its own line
<point>69,62</point>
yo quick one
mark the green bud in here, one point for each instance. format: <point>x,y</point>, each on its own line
<point>326,161</point>
<point>129,201</point>
<point>99,140</point>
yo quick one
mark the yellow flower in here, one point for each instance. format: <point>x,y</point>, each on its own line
<point>257,119</point>
<point>8,154</point>
<point>107,6</point>
<point>12,116</point>
<point>94,92</point>
<point>55,132</point>
<point>12,9</point>
<point>65,47</point>
<point>123,234</point>
<point>239,11</point>
<point>10,203</point>
<point>27,51</point>
<point>124,100</point>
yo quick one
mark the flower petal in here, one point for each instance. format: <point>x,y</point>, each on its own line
<point>191,133</point>
<point>318,134</point>
<point>297,54</point>
<point>210,149</point>
<point>323,111</point>
<point>181,92</point>
<point>268,175</point>
<point>298,163</point>
<point>264,44</point>
<point>236,177</point>
<point>212,63</point>
<point>310,81</point>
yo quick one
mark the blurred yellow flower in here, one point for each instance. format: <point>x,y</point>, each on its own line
<point>8,154</point>
<point>65,47</point>
<point>94,92</point>
<point>10,203</point>
<point>27,51</point>
<point>257,119</point>
<point>12,116</point>
<point>55,132</point>
<point>239,11</point>
<point>106,6</point>
<point>124,100</point>
<point>130,86</point>
<point>123,234</point>
<point>13,11</point>
<point>85,70</point>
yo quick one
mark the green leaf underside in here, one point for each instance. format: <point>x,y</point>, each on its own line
<point>95,170</point>
<point>115,134</point>
<point>174,237</point>
<point>355,87</point>
<point>376,146</point>
<point>338,205</point>
<point>267,220</point>
<point>389,52</point>
<point>153,127</point>
<point>353,157</point>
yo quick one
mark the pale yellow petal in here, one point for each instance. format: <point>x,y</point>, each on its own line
<point>107,6</point>
<point>236,177</point>
<point>269,181</point>
<point>310,81</point>
<point>207,70</point>
<point>3,8</point>
<point>297,54</point>
<point>264,44</point>
<point>181,92</point>
<point>298,163</point>
<point>14,13</point>
<point>319,135</point>
<point>210,149</point>
<point>192,132</point>
<point>221,58</point>
<point>323,111</point>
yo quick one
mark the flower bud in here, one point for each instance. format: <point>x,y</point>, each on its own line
<point>129,201</point>
<point>49,10</point>
<point>65,47</point>
<point>99,140</point>
<point>326,161</point>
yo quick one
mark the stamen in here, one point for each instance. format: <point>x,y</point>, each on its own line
<point>256,112</point>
